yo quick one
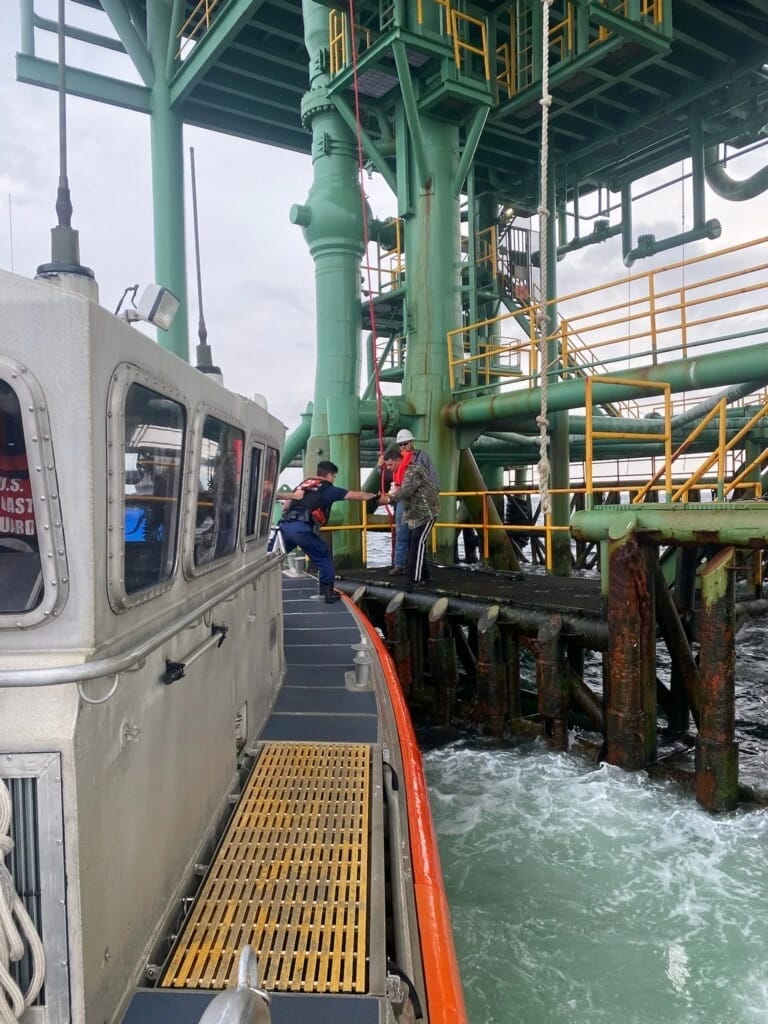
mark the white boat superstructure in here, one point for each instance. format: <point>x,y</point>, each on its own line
<point>136,502</point>
<point>207,766</point>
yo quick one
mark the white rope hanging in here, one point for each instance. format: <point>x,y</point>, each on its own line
<point>542,317</point>
<point>15,926</point>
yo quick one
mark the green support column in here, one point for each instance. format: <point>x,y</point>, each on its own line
<point>332,222</point>
<point>344,431</point>
<point>166,131</point>
<point>432,241</point>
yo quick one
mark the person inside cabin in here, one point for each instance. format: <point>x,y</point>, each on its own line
<point>419,497</point>
<point>408,454</point>
<point>307,510</point>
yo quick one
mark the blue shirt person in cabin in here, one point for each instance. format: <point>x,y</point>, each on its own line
<point>308,509</point>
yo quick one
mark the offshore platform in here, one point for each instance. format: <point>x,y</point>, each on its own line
<point>512,134</point>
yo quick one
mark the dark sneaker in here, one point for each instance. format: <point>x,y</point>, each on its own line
<point>396,570</point>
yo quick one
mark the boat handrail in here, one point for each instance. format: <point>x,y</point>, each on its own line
<point>132,659</point>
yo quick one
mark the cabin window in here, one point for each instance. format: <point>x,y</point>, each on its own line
<point>218,490</point>
<point>271,469</point>
<point>254,485</point>
<point>21,581</point>
<point>154,453</point>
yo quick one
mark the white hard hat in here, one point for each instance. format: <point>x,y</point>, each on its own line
<point>403,436</point>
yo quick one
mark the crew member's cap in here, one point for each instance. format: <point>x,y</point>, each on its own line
<point>403,436</point>
<point>393,452</point>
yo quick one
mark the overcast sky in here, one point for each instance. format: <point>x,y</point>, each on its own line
<point>258,278</point>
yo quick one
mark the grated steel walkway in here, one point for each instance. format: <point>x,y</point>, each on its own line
<point>298,871</point>
<point>290,877</point>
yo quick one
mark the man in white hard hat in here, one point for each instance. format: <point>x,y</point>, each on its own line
<point>408,454</point>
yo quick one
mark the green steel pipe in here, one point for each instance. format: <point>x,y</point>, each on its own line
<point>296,441</point>
<point>742,523</point>
<point>432,244</point>
<point>332,223</point>
<point>729,188</point>
<point>166,133</point>
<point>706,371</point>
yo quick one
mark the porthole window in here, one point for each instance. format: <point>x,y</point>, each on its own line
<point>21,579</point>
<point>218,490</point>
<point>154,453</point>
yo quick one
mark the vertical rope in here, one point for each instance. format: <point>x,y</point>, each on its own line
<point>15,926</point>
<point>542,316</point>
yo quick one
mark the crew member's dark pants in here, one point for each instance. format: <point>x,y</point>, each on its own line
<point>417,549</point>
<point>301,535</point>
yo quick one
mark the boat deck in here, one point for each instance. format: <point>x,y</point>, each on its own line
<point>296,873</point>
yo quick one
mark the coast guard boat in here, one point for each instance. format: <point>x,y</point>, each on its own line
<point>211,800</point>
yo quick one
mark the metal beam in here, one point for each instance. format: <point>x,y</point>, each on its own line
<point>86,84</point>
<point>227,25</point>
<point>369,146</point>
<point>134,45</point>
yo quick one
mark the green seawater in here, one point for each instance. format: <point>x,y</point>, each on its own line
<point>586,895</point>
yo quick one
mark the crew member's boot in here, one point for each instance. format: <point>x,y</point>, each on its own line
<point>330,594</point>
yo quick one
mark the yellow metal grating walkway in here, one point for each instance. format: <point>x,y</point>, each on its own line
<point>290,877</point>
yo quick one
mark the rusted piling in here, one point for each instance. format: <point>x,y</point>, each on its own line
<point>443,662</point>
<point>630,705</point>
<point>684,678</point>
<point>491,677</point>
<point>552,683</point>
<point>717,755</point>
<point>398,642</point>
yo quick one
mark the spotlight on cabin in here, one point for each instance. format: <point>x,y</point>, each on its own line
<point>158,306</point>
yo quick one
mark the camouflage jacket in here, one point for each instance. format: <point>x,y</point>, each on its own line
<point>418,494</point>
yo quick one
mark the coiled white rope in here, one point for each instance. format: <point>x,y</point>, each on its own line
<point>542,316</point>
<point>15,926</point>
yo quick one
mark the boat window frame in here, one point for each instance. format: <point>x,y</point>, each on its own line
<point>262,523</point>
<point>197,423</point>
<point>44,488</point>
<point>254,444</point>
<point>265,516</point>
<point>122,378</point>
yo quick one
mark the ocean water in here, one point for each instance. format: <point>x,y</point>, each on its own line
<point>581,894</point>
<point>587,894</point>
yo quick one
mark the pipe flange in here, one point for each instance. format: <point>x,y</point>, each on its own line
<point>315,102</point>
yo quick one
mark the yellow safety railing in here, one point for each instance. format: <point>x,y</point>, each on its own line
<point>664,435</point>
<point>337,40</point>
<point>462,28</point>
<point>689,307</point>
<point>197,24</point>
<point>718,457</point>
<point>340,51</point>
<point>651,10</point>
<point>385,269</point>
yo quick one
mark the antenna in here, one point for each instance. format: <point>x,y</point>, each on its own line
<point>10,227</point>
<point>65,246</point>
<point>204,356</point>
